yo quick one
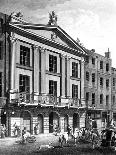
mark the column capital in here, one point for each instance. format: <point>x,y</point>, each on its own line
<point>13,38</point>
<point>35,46</point>
<point>42,49</point>
<point>68,58</point>
<point>63,56</point>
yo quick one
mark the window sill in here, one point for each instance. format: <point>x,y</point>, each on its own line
<point>73,78</point>
<point>52,73</point>
<point>24,67</point>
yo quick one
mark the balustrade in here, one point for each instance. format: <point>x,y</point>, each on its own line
<point>45,100</point>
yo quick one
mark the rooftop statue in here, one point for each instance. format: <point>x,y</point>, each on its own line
<point>18,15</point>
<point>52,18</point>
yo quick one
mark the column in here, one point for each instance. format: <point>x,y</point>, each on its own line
<point>46,124</point>
<point>36,69</point>
<point>0,120</point>
<point>43,70</point>
<point>62,124</point>
<point>13,60</point>
<point>71,121</point>
<point>63,76</point>
<point>68,77</point>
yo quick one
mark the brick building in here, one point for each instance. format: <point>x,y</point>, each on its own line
<point>98,87</point>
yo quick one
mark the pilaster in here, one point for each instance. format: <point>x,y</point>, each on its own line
<point>68,76</point>
<point>13,60</point>
<point>43,70</point>
<point>36,69</point>
<point>63,84</point>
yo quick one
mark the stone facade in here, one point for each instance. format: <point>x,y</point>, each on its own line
<point>29,102</point>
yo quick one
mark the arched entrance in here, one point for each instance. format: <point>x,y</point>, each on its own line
<point>40,123</point>
<point>25,120</point>
<point>3,118</point>
<point>53,120</point>
<point>65,123</point>
<point>76,119</point>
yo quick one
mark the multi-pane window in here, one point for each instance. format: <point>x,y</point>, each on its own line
<point>93,61</point>
<point>87,76</point>
<point>113,99</point>
<point>0,84</point>
<point>1,51</point>
<point>52,63</point>
<point>87,96</point>
<point>93,77</point>
<point>24,83</point>
<point>113,81</point>
<point>101,64</point>
<point>101,98</point>
<point>107,67</point>
<point>74,91</point>
<point>74,69</point>
<point>101,81</point>
<point>107,100</point>
<point>53,87</point>
<point>107,83</point>
<point>93,98</point>
<point>24,56</point>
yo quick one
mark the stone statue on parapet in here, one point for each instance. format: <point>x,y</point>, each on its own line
<point>52,18</point>
<point>18,15</point>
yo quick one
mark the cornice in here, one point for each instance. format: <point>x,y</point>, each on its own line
<point>44,40</point>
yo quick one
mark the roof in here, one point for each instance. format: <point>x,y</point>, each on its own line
<point>29,27</point>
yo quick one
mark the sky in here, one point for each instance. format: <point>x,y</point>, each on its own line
<point>92,21</point>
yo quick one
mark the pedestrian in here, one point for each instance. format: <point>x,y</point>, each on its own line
<point>3,131</point>
<point>23,135</point>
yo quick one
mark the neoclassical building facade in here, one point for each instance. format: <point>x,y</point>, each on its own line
<point>45,77</point>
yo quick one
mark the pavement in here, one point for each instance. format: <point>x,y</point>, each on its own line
<point>10,145</point>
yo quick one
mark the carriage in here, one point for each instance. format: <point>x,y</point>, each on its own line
<point>108,138</point>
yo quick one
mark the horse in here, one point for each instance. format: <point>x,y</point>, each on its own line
<point>63,138</point>
<point>77,134</point>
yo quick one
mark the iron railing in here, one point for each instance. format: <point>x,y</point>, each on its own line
<point>44,100</point>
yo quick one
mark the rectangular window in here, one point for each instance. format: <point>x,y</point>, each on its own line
<point>74,91</point>
<point>113,81</point>
<point>101,64</point>
<point>93,98</point>
<point>87,76</point>
<point>24,83</point>
<point>101,98</point>
<point>107,100</point>
<point>0,84</point>
<point>113,99</point>
<point>107,67</point>
<point>101,81</point>
<point>93,77</point>
<point>53,63</point>
<point>74,69</point>
<point>87,59</point>
<point>107,83</point>
<point>24,86</point>
<point>1,51</point>
<point>93,61</point>
<point>24,56</point>
<point>53,88</point>
<point>87,96</point>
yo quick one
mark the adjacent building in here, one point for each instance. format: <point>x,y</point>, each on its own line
<point>98,84</point>
<point>41,76</point>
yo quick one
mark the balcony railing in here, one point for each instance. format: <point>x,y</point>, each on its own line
<point>45,100</point>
